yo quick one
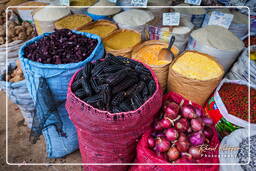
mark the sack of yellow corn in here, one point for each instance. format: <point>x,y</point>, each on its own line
<point>194,75</point>
<point>147,52</point>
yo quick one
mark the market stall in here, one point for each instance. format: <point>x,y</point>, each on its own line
<point>96,79</point>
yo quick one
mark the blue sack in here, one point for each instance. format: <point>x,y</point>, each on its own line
<point>18,93</point>
<point>56,76</point>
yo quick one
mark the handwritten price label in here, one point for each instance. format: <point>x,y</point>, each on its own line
<point>64,2</point>
<point>171,19</point>
<point>113,1</point>
<point>139,3</point>
<point>220,19</point>
<point>193,2</point>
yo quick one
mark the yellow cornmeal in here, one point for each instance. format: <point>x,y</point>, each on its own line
<point>122,40</point>
<point>73,22</point>
<point>101,30</point>
<point>197,66</point>
<point>82,2</point>
<point>149,54</point>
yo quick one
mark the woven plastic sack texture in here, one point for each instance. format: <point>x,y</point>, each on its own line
<point>18,93</point>
<point>110,138</point>
<point>146,155</point>
<point>53,80</point>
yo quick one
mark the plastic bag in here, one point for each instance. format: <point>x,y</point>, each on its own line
<point>58,130</point>
<point>146,155</point>
<point>110,138</point>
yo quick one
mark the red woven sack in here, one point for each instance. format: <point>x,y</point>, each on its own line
<point>110,138</point>
<point>146,155</point>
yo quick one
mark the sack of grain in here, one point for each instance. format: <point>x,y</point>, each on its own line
<point>240,69</point>
<point>47,84</point>
<point>181,32</point>
<point>228,106</point>
<point>147,52</point>
<point>133,19</point>
<point>102,28</point>
<point>17,91</point>
<point>239,25</point>
<point>194,75</point>
<point>218,42</point>
<point>44,18</point>
<point>121,42</point>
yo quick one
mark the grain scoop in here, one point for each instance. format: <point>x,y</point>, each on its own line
<point>166,53</point>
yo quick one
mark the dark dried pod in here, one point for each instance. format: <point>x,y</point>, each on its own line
<point>76,85</point>
<point>87,70</point>
<point>144,77</point>
<point>93,99</point>
<point>123,85</point>
<point>131,90</point>
<point>137,101</point>
<point>78,75</point>
<point>80,93</point>
<point>118,98</point>
<point>145,93</point>
<point>116,78</point>
<point>98,69</point>
<point>125,107</point>
<point>113,68</point>
<point>106,95</point>
<point>140,86</point>
<point>142,70</point>
<point>116,109</point>
<point>151,87</point>
<point>86,86</point>
<point>94,84</point>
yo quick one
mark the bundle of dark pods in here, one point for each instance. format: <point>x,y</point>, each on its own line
<point>116,84</point>
<point>180,132</point>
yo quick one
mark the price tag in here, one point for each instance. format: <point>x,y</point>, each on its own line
<point>113,1</point>
<point>139,3</point>
<point>171,19</point>
<point>64,2</point>
<point>193,2</point>
<point>220,19</point>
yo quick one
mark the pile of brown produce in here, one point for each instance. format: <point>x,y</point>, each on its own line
<point>180,132</point>
<point>17,31</point>
<point>16,74</point>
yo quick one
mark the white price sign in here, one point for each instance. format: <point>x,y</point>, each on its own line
<point>171,19</point>
<point>140,3</point>
<point>113,1</point>
<point>64,2</point>
<point>220,19</point>
<point>193,2</point>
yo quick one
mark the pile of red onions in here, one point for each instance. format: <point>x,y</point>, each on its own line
<point>179,132</point>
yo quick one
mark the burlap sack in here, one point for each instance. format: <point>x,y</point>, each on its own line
<point>197,91</point>
<point>161,71</point>
<point>121,52</point>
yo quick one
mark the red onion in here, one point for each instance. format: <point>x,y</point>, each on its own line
<point>182,137</point>
<point>151,142</point>
<point>172,110</point>
<point>182,125</point>
<point>208,132</point>
<point>162,144</point>
<point>188,111</point>
<point>197,138</point>
<point>171,134</point>
<point>165,123</point>
<point>197,124</point>
<point>173,153</point>
<point>199,113</point>
<point>182,146</point>
<point>195,152</point>
<point>158,126</point>
<point>208,121</point>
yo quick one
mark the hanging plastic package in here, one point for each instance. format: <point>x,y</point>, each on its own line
<point>47,84</point>
<point>18,94</point>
